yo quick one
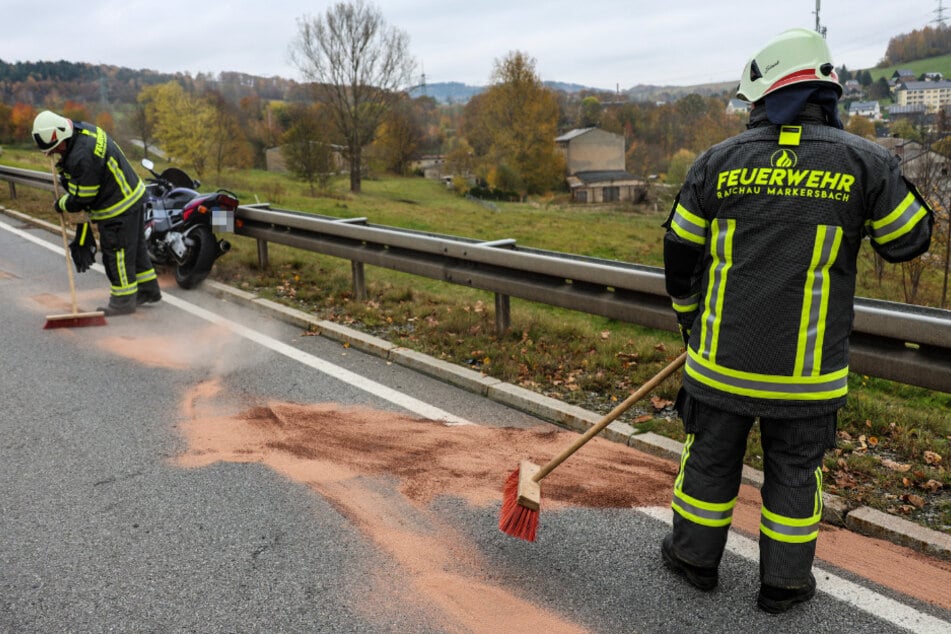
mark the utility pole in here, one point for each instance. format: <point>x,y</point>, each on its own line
<point>821,30</point>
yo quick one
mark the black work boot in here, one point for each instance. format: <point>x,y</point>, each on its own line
<point>119,306</point>
<point>148,295</point>
<point>775,600</point>
<point>699,577</point>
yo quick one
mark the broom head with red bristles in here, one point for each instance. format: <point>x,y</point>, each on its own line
<point>75,320</point>
<point>521,502</point>
<point>522,495</point>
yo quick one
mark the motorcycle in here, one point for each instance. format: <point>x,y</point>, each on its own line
<point>180,223</point>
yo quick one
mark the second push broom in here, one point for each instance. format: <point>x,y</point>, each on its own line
<point>521,497</point>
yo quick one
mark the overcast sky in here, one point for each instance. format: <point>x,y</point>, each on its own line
<point>601,43</point>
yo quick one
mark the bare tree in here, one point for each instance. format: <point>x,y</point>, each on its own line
<point>359,66</point>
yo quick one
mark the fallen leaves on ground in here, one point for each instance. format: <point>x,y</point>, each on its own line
<point>895,466</point>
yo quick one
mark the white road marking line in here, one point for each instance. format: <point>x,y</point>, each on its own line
<point>351,378</point>
<point>835,586</point>
<point>379,390</point>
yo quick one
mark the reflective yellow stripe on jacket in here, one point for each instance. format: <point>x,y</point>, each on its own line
<point>88,193</point>
<point>689,226</point>
<point>131,194</point>
<point>815,305</point>
<point>806,382</point>
<point>900,221</point>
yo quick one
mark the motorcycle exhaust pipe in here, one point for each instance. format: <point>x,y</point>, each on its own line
<point>223,247</point>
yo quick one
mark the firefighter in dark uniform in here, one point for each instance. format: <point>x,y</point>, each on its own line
<point>760,263</point>
<point>99,180</point>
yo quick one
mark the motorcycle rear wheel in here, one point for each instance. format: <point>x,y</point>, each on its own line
<point>199,259</point>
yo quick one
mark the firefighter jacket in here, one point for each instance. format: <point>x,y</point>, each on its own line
<point>96,175</point>
<point>760,260</point>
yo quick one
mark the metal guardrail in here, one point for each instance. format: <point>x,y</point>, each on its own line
<point>901,342</point>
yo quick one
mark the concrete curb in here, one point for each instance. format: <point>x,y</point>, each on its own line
<point>863,520</point>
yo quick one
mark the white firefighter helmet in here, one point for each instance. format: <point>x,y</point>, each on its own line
<point>792,57</point>
<point>51,129</point>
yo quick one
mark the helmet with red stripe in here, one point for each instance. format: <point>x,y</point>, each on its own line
<point>51,129</point>
<point>795,56</point>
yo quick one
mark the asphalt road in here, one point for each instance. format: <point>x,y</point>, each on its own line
<point>101,532</point>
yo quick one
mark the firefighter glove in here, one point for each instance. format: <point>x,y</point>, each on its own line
<point>83,247</point>
<point>59,205</point>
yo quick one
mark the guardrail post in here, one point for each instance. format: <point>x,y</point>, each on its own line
<point>263,261</point>
<point>13,190</point>
<point>359,280</point>
<point>503,314</point>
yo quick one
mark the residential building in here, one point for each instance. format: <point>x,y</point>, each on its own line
<point>431,165</point>
<point>738,106</point>
<point>852,89</point>
<point>932,94</point>
<point>274,159</point>
<point>917,113</point>
<point>867,109</point>
<point>903,75</point>
<point>918,163</point>
<point>594,161</point>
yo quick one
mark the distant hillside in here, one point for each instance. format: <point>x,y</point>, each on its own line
<point>672,93</point>
<point>32,82</point>
<point>455,92</point>
<point>940,64</point>
<point>447,92</point>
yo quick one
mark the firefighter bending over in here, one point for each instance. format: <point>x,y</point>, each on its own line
<point>99,180</point>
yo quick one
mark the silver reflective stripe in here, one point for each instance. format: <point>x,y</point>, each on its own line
<point>702,513</point>
<point>786,529</point>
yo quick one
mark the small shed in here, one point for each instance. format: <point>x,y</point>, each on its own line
<point>608,186</point>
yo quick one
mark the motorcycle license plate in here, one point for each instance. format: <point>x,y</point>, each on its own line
<point>222,220</point>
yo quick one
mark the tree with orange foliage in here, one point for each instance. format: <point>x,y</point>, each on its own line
<point>105,121</point>
<point>6,124</point>
<point>21,118</point>
<point>75,111</point>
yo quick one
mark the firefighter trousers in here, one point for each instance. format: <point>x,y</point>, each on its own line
<point>125,256</point>
<point>708,484</point>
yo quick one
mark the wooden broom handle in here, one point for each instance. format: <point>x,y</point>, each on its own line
<point>672,367</point>
<point>69,266</point>
<point>62,226</point>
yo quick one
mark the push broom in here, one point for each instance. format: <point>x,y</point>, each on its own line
<point>522,495</point>
<point>74,319</point>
